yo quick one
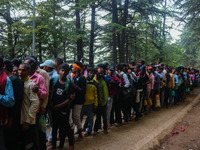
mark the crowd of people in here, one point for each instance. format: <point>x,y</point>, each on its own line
<point>33,93</point>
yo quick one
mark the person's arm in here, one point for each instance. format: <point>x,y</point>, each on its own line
<point>45,101</point>
<point>95,97</point>
<point>7,100</point>
<point>34,104</point>
<point>105,92</point>
<point>81,87</point>
<point>152,82</point>
<point>42,92</point>
<point>127,83</point>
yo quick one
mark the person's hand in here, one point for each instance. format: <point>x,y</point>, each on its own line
<point>94,109</point>
<point>42,111</point>
<point>9,124</point>
<point>120,75</point>
<point>25,126</point>
<point>112,81</point>
<point>35,88</point>
<point>56,107</point>
<point>72,96</point>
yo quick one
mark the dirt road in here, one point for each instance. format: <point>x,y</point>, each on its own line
<point>145,133</point>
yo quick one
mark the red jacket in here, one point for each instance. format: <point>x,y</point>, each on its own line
<point>3,110</point>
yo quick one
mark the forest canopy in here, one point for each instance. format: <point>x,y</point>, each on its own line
<point>98,30</point>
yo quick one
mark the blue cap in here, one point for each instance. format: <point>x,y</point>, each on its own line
<point>48,63</point>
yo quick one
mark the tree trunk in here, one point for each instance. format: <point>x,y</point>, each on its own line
<point>40,51</point>
<point>127,52</point>
<point>91,54</point>
<point>123,37</point>
<point>163,34</point>
<point>114,20</point>
<point>64,51</point>
<point>10,34</point>
<point>55,53</point>
<point>79,42</point>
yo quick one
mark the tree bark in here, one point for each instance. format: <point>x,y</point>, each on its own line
<point>91,54</point>
<point>124,19</point>
<point>79,42</point>
<point>114,38</point>
<point>40,51</point>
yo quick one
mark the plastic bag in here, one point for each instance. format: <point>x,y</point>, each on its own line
<point>173,93</point>
<point>42,123</point>
<point>157,101</point>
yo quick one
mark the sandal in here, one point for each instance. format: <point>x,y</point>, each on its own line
<point>182,128</point>
<point>175,132</point>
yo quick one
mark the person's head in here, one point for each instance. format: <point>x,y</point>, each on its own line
<point>15,71</point>
<point>159,69</point>
<point>111,70</point>
<point>32,62</point>
<point>99,73</point>
<point>119,68</point>
<point>141,62</point>
<point>131,64</point>
<point>48,65</point>
<point>1,63</point>
<point>91,73</point>
<point>16,62</point>
<point>63,71</point>
<point>8,67</point>
<point>149,69</point>
<point>77,67</point>
<point>173,70</point>
<point>102,66</point>
<point>58,61</point>
<point>24,70</point>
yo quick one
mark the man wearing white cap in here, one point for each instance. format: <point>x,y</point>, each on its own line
<point>48,66</point>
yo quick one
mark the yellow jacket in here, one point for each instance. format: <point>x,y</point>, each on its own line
<point>91,96</point>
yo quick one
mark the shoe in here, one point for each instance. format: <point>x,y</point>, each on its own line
<point>105,131</point>
<point>87,134</point>
<point>118,125</point>
<point>95,133</point>
<point>136,119</point>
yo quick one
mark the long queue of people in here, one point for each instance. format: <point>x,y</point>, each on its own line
<point>32,94</point>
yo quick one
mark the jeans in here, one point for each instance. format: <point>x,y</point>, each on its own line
<point>88,111</point>
<point>109,107</point>
<point>2,142</point>
<point>61,123</point>
<point>101,112</point>
<point>41,134</point>
<point>77,115</point>
<point>30,138</point>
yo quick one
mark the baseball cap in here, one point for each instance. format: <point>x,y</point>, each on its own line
<point>48,63</point>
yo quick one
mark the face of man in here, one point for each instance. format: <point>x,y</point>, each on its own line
<point>32,71</point>
<point>159,70</point>
<point>91,75</point>
<point>63,74</point>
<point>149,70</point>
<point>23,72</point>
<point>74,69</point>
<point>56,65</point>
<point>15,71</point>
<point>100,73</point>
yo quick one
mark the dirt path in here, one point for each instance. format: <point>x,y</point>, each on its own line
<point>185,140</point>
<point>147,132</point>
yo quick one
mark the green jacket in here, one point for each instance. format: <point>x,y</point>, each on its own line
<point>103,92</point>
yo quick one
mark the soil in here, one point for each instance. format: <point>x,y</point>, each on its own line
<point>153,131</point>
<point>184,140</point>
